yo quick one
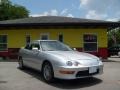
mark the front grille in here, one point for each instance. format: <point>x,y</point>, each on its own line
<point>86,73</point>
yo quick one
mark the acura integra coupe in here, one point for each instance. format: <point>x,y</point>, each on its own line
<point>57,60</point>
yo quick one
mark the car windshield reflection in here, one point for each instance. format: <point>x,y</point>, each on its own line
<point>54,46</point>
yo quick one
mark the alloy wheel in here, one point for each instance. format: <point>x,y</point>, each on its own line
<point>48,72</point>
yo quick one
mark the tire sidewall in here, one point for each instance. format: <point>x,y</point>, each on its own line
<point>21,66</point>
<point>52,73</point>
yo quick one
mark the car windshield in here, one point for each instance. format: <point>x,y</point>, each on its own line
<point>54,46</point>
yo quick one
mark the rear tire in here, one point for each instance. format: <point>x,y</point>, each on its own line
<point>20,61</point>
<point>47,72</point>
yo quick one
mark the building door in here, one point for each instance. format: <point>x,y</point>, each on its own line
<point>27,39</point>
<point>60,37</point>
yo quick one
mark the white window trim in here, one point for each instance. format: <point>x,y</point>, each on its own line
<point>47,34</point>
<point>5,43</point>
<point>90,42</point>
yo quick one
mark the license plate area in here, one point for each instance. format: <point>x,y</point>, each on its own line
<point>92,70</point>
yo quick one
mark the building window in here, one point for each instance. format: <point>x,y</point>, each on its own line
<point>44,37</point>
<point>60,37</point>
<point>3,42</point>
<point>27,39</point>
<point>90,42</point>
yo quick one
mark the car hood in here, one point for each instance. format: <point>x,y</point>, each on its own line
<point>81,57</point>
<point>74,55</point>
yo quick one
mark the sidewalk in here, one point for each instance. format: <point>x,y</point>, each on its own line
<point>113,59</point>
<point>8,60</point>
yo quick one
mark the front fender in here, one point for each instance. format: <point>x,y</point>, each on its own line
<point>54,59</point>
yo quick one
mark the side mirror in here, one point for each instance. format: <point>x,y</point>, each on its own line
<point>74,49</point>
<point>35,49</point>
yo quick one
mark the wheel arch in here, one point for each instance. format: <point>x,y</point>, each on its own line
<point>47,61</point>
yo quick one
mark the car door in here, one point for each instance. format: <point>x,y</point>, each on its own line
<point>36,55</point>
<point>26,56</point>
<point>32,57</point>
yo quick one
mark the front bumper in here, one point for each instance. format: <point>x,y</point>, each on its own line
<point>79,72</point>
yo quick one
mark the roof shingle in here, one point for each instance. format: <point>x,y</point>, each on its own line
<point>55,20</point>
<point>50,19</point>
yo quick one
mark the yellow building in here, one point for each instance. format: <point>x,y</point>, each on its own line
<point>84,34</point>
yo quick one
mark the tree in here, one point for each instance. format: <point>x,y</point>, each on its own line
<point>114,37</point>
<point>10,11</point>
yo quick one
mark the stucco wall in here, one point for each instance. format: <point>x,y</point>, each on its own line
<point>72,37</point>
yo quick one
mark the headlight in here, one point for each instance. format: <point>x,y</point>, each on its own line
<point>76,63</point>
<point>69,63</point>
<point>72,63</point>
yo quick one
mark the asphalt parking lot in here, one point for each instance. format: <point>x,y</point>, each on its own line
<point>12,78</point>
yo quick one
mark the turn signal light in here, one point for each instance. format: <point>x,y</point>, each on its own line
<point>67,72</point>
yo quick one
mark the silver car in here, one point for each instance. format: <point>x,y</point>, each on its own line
<point>57,60</point>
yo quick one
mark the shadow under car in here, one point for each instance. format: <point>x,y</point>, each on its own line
<point>65,84</point>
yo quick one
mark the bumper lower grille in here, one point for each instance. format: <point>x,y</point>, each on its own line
<point>86,73</point>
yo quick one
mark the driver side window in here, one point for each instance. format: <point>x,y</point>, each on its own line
<point>33,45</point>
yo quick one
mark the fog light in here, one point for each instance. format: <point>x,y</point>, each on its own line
<point>67,72</point>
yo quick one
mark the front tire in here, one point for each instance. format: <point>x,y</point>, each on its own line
<point>20,61</point>
<point>47,72</point>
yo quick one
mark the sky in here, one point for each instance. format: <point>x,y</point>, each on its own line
<point>89,9</point>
